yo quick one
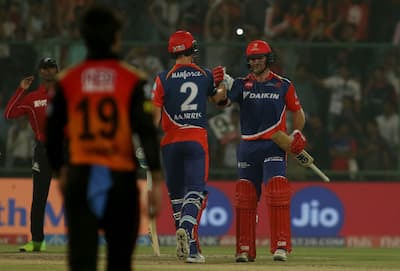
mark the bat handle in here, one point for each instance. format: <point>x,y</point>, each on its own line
<point>149,188</point>
<point>319,172</point>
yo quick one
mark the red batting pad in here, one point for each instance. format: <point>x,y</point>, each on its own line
<point>278,203</point>
<point>246,208</point>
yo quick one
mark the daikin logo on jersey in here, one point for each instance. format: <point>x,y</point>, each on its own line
<point>316,212</point>
<point>217,217</point>
<point>251,95</point>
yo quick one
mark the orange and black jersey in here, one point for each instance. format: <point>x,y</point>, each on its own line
<point>99,104</point>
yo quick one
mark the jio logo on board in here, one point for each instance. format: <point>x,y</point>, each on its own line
<point>316,212</point>
<point>217,217</point>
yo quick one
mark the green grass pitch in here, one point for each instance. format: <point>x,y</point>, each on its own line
<point>218,259</point>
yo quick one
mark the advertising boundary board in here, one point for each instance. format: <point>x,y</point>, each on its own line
<point>349,214</point>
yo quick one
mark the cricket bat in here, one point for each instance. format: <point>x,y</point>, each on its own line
<point>152,223</point>
<point>304,158</point>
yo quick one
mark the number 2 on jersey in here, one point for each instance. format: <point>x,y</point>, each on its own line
<point>193,89</point>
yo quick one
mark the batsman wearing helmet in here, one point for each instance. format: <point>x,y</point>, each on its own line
<point>33,105</point>
<point>180,95</point>
<point>264,98</point>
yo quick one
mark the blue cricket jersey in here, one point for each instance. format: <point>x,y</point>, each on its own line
<point>263,105</point>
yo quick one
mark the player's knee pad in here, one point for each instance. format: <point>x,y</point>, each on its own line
<point>278,194</point>
<point>193,205</point>
<point>246,215</point>
<point>176,210</point>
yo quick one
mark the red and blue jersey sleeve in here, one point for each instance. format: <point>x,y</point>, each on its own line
<point>292,101</point>
<point>158,93</point>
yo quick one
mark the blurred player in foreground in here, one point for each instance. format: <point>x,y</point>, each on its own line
<point>33,105</point>
<point>180,97</point>
<point>98,104</point>
<point>264,98</point>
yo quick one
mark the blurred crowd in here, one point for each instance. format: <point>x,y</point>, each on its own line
<point>342,56</point>
<point>295,20</point>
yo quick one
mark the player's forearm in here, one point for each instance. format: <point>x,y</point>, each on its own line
<point>142,122</point>
<point>220,94</point>
<point>299,120</point>
<point>150,145</point>
<point>157,176</point>
<point>156,116</point>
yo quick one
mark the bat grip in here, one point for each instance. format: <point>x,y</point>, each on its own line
<point>319,172</point>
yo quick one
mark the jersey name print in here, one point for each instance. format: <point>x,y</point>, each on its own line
<point>98,80</point>
<point>187,116</point>
<point>186,74</point>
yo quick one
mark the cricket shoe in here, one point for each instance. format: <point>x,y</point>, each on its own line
<point>243,258</point>
<point>182,244</point>
<point>280,255</point>
<point>196,258</point>
<point>33,246</point>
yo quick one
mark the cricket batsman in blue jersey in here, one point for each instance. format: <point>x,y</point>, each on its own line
<point>180,96</point>
<point>264,98</point>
